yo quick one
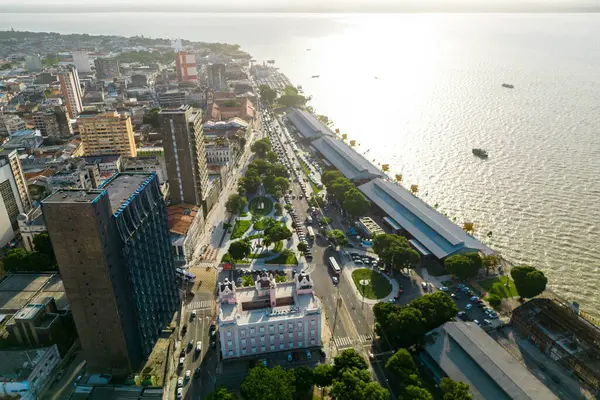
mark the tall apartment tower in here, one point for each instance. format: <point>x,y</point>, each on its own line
<point>183,142</point>
<point>216,77</point>
<point>71,90</point>
<point>107,68</point>
<point>47,123</point>
<point>185,66</point>
<point>33,63</point>
<point>81,59</point>
<point>113,250</point>
<point>14,197</point>
<point>108,133</point>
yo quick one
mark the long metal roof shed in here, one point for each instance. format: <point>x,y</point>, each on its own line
<point>308,125</point>
<point>343,157</point>
<point>431,229</point>
<point>465,352</point>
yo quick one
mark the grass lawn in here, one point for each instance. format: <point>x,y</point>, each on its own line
<point>260,225</point>
<point>257,202</point>
<point>307,173</point>
<point>240,227</point>
<point>283,259</point>
<point>278,247</point>
<point>378,287</point>
<point>497,286</point>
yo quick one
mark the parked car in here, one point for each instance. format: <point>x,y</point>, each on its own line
<point>477,322</point>
<point>188,375</point>
<point>444,289</point>
<point>308,355</point>
<point>180,381</point>
<point>198,347</point>
<point>182,353</point>
<point>197,372</point>
<point>468,307</point>
<point>180,393</point>
<point>289,356</point>
<point>335,280</point>
<point>181,361</point>
<point>463,315</point>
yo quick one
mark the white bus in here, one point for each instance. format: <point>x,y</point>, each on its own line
<point>310,232</point>
<point>334,265</point>
<point>188,276</point>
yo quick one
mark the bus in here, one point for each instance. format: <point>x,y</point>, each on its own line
<point>310,232</point>
<point>334,265</point>
<point>188,276</point>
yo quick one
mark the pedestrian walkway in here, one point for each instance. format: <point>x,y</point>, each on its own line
<point>365,338</point>
<point>200,304</point>
<point>342,342</point>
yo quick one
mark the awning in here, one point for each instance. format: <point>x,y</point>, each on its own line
<point>392,223</point>
<point>420,248</point>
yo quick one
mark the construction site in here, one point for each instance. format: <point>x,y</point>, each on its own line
<point>556,328</point>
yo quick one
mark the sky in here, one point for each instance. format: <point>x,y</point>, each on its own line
<point>302,6</point>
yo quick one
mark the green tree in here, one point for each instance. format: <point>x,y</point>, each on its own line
<point>323,375</point>
<point>261,147</point>
<point>325,220</point>
<point>402,365</point>
<point>302,247</point>
<point>292,100</point>
<point>231,103</point>
<point>329,176</point>
<point>278,209</point>
<point>251,182</point>
<point>356,203</point>
<point>268,384</point>
<point>462,266</point>
<point>304,379</point>
<point>277,232</point>
<point>236,204</point>
<point>316,201</point>
<point>491,261</point>
<point>476,260</point>
<point>221,394</point>
<point>281,185</point>
<point>151,118</point>
<point>416,393</point>
<point>262,167</point>
<point>340,187</point>
<point>336,237</point>
<point>278,169</point>
<point>494,300</point>
<point>272,157</point>
<point>267,94</point>
<point>395,251</point>
<point>15,260</point>
<point>239,249</point>
<point>42,244</point>
<point>454,390</point>
<point>436,308</point>
<point>356,384</point>
<point>39,262</point>
<point>529,281</point>
<point>348,359</point>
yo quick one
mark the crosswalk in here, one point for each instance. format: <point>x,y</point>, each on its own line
<point>343,342</point>
<point>201,304</point>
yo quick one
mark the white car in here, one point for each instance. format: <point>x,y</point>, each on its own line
<point>199,346</point>
<point>335,280</point>
<point>179,382</point>
<point>181,361</point>
<point>180,393</point>
<point>188,374</point>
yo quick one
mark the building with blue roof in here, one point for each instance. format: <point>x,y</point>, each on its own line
<point>308,125</point>
<point>343,157</point>
<point>113,250</point>
<point>431,232</point>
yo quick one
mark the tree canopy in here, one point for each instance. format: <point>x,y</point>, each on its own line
<point>291,98</point>
<point>464,266</point>
<point>304,379</point>
<point>272,157</point>
<point>267,94</point>
<point>268,384</point>
<point>276,232</point>
<point>236,204</point>
<point>43,245</point>
<point>454,390</point>
<point>402,365</point>
<point>330,176</point>
<point>348,359</point>
<point>250,182</point>
<point>19,259</point>
<point>356,384</point>
<point>356,203</point>
<point>395,251</point>
<point>261,147</point>
<point>221,394</point>
<point>323,375</point>
<point>302,247</point>
<point>340,187</point>
<point>239,249</point>
<point>416,393</point>
<point>337,237</point>
<point>529,281</point>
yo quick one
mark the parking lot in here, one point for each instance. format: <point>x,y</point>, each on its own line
<point>471,308</point>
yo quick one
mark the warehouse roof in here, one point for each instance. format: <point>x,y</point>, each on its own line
<point>466,353</point>
<point>433,230</point>
<point>343,157</point>
<point>307,124</point>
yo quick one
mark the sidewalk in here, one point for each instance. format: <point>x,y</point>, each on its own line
<point>347,271</point>
<point>434,280</point>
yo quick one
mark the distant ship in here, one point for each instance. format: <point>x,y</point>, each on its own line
<point>271,61</point>
<point>315,76</point>
<point>376,78</point>
<point>307,49</point>
<point>481,153</point>
<point>508,86</point>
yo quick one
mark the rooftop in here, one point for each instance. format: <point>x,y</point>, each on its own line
<point>433,230</point>
<point>308,124</point>
<point>101,159</point>
<point>466,353</point>
<point>351,164</point>
<point>18,290</point>
<point>120,188</point>
<point>181,217</point>
<point>18,364</point>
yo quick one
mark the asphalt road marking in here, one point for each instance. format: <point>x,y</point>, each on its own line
<point>342,342</point>
<point>200,304</point>
<point>365,338</point>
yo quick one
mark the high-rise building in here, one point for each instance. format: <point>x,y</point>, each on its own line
<point>183,141</point>
<point>108,133</point>
<point>46,122</point>
<point>107,68</point>
<point>14,197</point>
<point>11,123</point>
<point>216,76</point>
<point>81,59</point>
<point>71,90</point>
<point>113,250</point>
<point>185,66</point>
<point>33,63</point>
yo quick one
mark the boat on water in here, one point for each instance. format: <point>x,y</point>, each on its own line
<point>315,76</point>
<point>508,86</point>
<point>481,153</point>
<point>271,61</point>
<point>307,49</point>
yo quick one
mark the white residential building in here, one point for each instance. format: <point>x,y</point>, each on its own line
<point>268,317</point>
<point>31,224</point>
<point>26,372</point>
<point>81,59</point>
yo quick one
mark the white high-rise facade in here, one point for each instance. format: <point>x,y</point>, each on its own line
<point>81,59</point>
<point>71,90</point>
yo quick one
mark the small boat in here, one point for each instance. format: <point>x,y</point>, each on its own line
<point>307,49</point>
<point>315,76</point>
<point>377,77</point>
<point>271,61</point>
<point>508,86</point>
<point>481,153</point>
